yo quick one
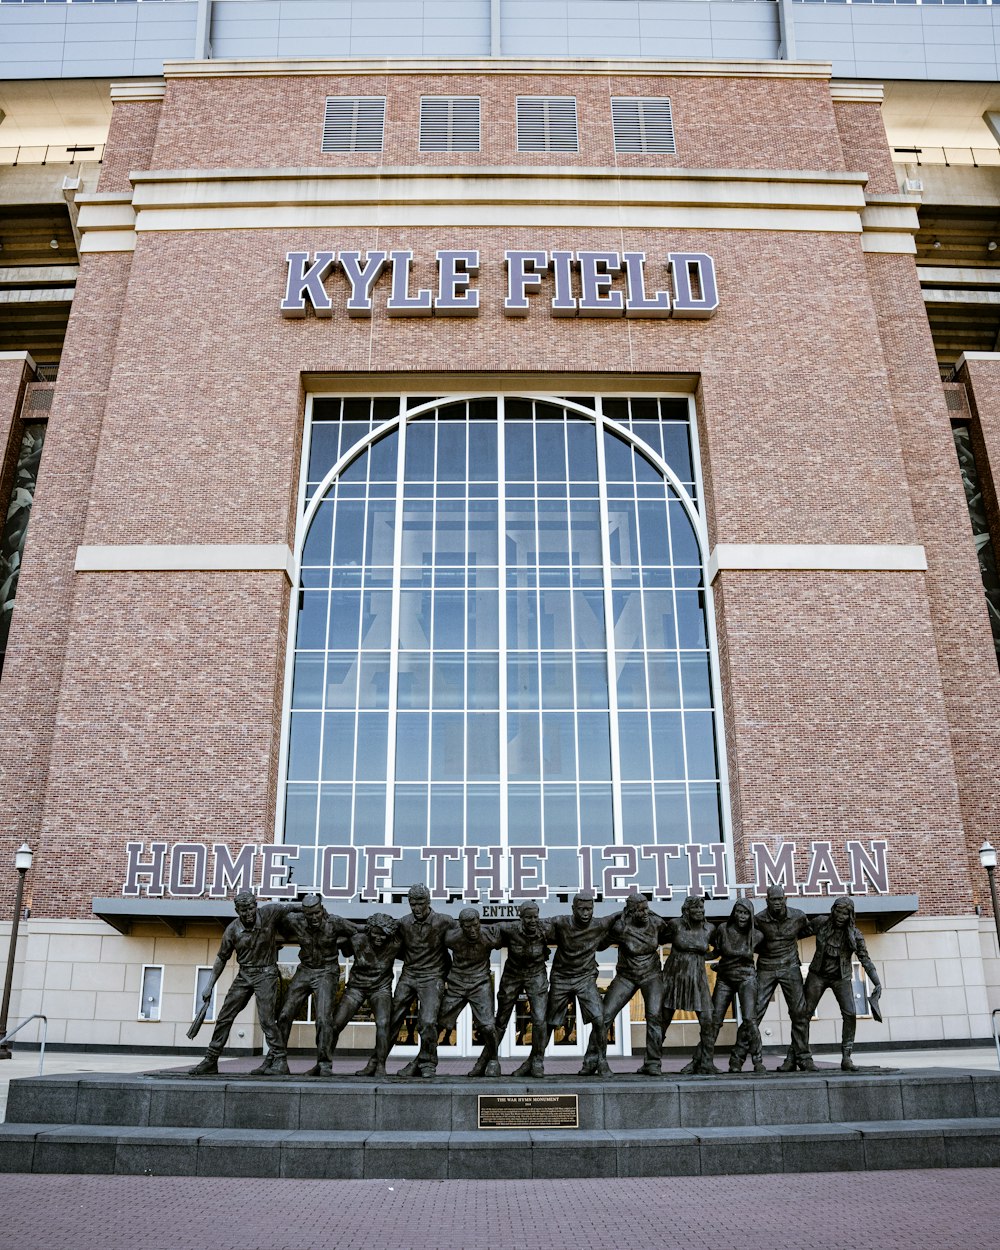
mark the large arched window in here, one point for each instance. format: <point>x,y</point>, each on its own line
<point>501,635</point>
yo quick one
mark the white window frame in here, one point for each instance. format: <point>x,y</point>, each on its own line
<point>153,1019</point>
<point>196,1006</point>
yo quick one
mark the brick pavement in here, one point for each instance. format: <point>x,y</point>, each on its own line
<point>920,1210</point>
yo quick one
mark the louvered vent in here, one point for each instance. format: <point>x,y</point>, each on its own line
<point>642,125</point>
<point>354,123</point>
<point>449,123</point>
<point>546,124</point>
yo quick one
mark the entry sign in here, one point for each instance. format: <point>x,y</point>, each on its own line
<point>583,283</point>
<point>521,1111</point>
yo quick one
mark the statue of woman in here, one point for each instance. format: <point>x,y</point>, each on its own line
<point>685,981</point>
<point>734,942</point>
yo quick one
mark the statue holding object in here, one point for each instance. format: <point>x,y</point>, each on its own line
<point>838,943</point>
<point>253,937</point>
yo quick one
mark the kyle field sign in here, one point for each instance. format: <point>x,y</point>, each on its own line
<point>584,284</point>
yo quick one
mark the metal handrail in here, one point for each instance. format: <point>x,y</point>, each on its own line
<point>996,1035</point>
<point>45,1032</point>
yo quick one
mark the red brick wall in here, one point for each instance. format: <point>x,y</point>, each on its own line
<point>866,148</point>
<point>168,705</point>
<point>726,123</point>
<point>130,143</point>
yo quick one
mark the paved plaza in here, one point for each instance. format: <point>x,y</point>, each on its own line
<point>918,1210</point>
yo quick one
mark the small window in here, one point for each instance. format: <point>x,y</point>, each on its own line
<point>152,992</point>
<point>449,123</point>
<point>354,124</point>
<point>202,977</point>
<point>546,124</point>
<point>642,125</point>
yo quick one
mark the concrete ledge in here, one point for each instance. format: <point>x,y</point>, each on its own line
<point>186,558</point>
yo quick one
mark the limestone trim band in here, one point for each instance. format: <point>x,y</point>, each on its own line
<point>292,67</point>
<point>844,92</point>
<point>138,92</point>
<point>186,558</point>
<point>852,558</point>
<point>602,198</point>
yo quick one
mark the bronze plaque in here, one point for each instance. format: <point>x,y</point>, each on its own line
<point>529,1111</point>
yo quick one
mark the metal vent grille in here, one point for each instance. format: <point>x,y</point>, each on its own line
<point>449,123</point>
<point>642,125</point>
<point>954,396</point>
<point>354,123</point>
<point>37,400</point>
<point>546,124</point>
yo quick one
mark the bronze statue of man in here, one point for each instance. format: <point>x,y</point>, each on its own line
<point>838,943</point>
<point>524,972</point>
<point>318,974</point>
<point>471,944</point>
<point>374,949</point>
<point>578,937</point>
<point>425,965</point>
<point>781,927</point>
<point>636,931</point>
<point>253,936</point>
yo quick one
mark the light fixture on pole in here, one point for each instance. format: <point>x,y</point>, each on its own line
<point>988,859</point>
<point>22,862</point>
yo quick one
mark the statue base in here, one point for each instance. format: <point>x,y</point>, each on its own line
<point>230,1125</point>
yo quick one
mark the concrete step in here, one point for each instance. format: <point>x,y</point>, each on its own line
<point>187,1151</point>
<point>450,1105</point>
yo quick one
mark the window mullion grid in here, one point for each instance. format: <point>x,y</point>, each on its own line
<point>537,592</point>
<point>397,577</point>
<point>502,627</point>
<point>432,711</point>
<point>575,708</point>
<point>609,630</point>
<point>680,692</point>
<point>332,495</point>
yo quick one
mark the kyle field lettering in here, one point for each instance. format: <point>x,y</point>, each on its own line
<point>584,283</point>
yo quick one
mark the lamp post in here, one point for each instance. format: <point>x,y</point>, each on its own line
<point>988,859</point>
<point>22,862</point>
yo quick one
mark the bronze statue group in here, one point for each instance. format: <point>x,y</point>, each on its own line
<point>446,967</point>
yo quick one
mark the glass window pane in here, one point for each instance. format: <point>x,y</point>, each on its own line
<point>449,619</point>
<point>336,815</point>
<point>483,523</point>
<point>447,827</point>
<point>484,681</point>
<point>591,679</point>
<point>341,679</point>
<point>623,545</point>
<point>519,452</point>
<point>633,740</point>
<point>303,746</point>
<point>451,452</point>
<point>380,532</point>
<point>323,442</point>
<point>376,619</point>
<point>300,815</point>
<point>653,531</point>
<point>553,534</point>
<point>373,729</point>
<point>482,806</point>
<point>483,624</point>
<point>418,532</point>
<point>483,730</point>
<point>522,549</point>
<point>696,680</point>
<point>419,461</point>
<point>588,622</point>
<point>383,457</point>
<point>637,814</point>
<point>522,619</point>
<point>594,746</point>
<point>311,624</point>
<point>345,617</point>
<point>617,458</point>
<point>677,449</point>
<point>522,747</point>
<point>663,686</point>
<point>447,746</point>
<point>631,680</point>
<point>449,680</point>
<point>412,736</point>
<point>551,451</point>
<point>659,613</point>
<point>414,679</point>
<point>349,532</point>
<point>596,818</point>
<point>706,818</point>
<point>524,815</point>
<point>581,443</point>
<point>555,621</point>
<point>522,680</point>
<point>668,746</point>
<point>585,528</point>
<point>369,815</point>
<point>691,619</point>
<point>318,544</point>
<point>557,680</point>
<point>671,814</point>
<point>410,816</point>
<point>682,536</point>
<point>373,691</point>
<point>627,606</point>
<point>415,618</point>
<point>699,730</point>
<point>483,451</point>
<point>338,746</point>
<point>560,815</point>
<point>307,680</point>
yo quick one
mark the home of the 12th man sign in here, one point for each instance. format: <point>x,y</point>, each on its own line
<point>194,869</point>
<point>585,283</point>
